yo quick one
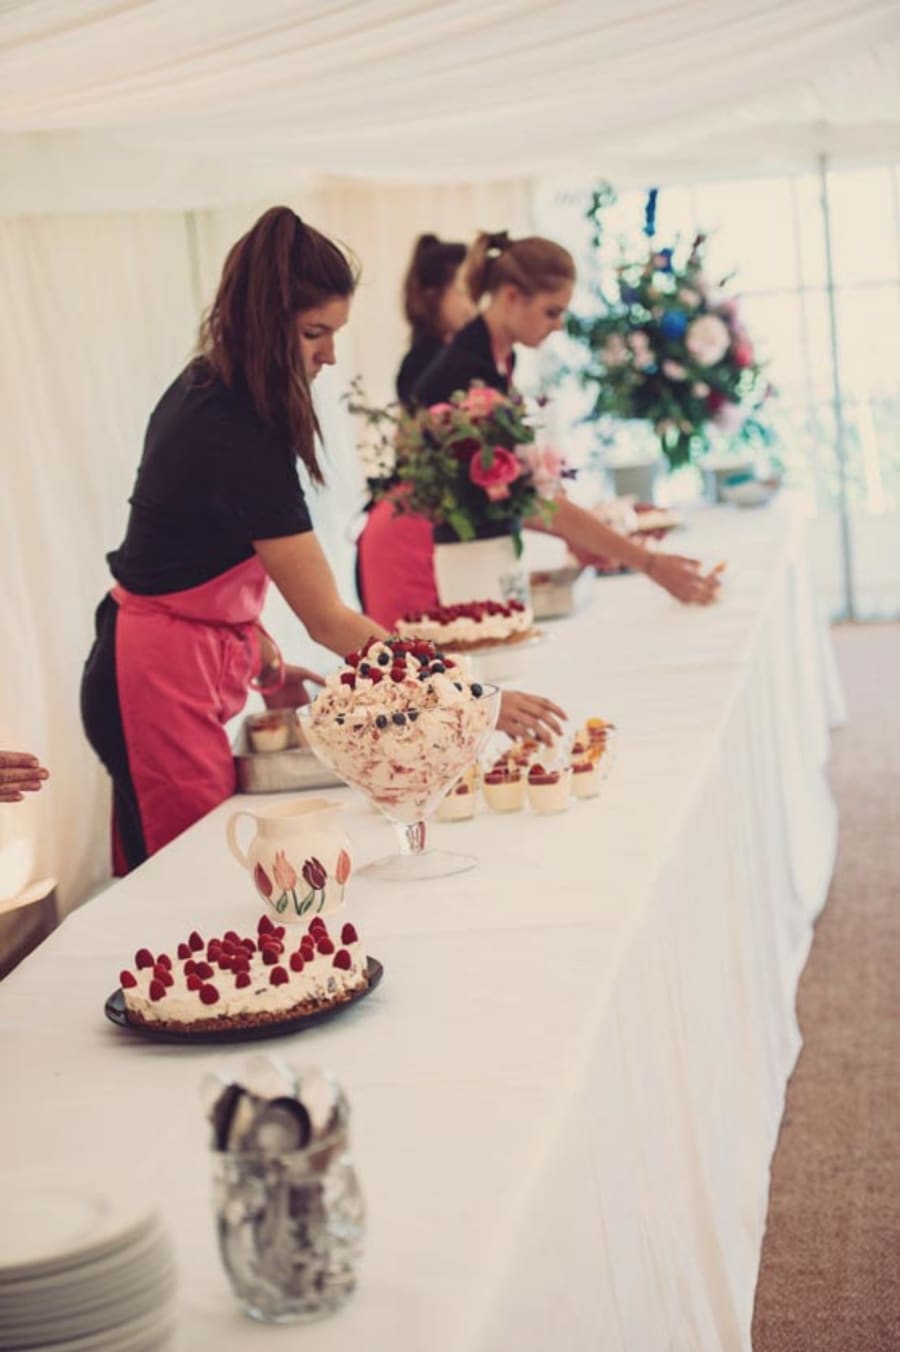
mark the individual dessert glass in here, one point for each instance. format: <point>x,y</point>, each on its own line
<point>548,790</point>
<point>504,789</point>
<point>458,806</point>
<point>270,731</point>
<point>402,723</point>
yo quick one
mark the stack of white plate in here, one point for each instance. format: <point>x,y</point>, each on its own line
<point>81,1271</point>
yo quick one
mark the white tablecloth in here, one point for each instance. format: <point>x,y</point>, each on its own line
<point>567,1089</point>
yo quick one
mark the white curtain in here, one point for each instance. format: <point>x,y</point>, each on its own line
<point>97,315</point>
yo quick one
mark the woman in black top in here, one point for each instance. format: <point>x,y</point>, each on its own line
<point>525,286</point>
<point>217,511</point>
<point>436,303</point>
<point>394,573</point>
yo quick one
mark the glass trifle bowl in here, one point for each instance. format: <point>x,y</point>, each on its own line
<point>401,722</point>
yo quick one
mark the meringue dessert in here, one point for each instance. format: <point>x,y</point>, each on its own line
<point>465,628</point>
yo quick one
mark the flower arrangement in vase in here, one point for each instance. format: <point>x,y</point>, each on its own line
<point>472,466</point>
<point>670,349</point>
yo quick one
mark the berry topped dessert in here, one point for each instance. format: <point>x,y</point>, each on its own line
<point>464,628</point>
<point>235,982</point>
<point>402,722</point>
<point>548,790</point>
<point>504,788</point>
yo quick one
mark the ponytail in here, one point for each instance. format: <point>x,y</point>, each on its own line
<point>249,337</point>
<point>433,265</point>
<point>532,264</point>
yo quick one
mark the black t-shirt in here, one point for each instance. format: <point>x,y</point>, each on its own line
<point>421,354</point>
<point>468,357</point>
<point>213,478</point>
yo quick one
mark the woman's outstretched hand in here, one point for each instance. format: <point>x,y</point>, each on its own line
<point>681,577</point>
<point>19,774</point>
<point>524,715</point>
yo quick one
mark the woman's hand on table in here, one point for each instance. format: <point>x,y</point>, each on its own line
<point>681,577</point>
<point>20,773</point>
<point>293,694</point>
<point>524,715</point>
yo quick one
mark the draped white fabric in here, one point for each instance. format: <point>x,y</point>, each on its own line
<point>567,1089</point>
<point>97,315</point>
<point>168,104</point>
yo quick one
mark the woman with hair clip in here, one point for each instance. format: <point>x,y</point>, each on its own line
<point>394,572</point>
<point>528,284</point>
<point>217,511</point>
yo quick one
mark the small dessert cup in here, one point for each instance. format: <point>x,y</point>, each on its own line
<point>548,790</point>
<point>458,806</point>
<point>504,790</point>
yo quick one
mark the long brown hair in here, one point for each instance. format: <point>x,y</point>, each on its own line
<point>432,268</point>
<point>532,264</point>
<point>249,337</point>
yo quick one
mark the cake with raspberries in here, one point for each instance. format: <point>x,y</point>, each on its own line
<point>401,721</point>
<point>240,982</point>
<point>466,628</point>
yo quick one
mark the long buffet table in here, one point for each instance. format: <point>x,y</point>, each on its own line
<point>567,1089</point>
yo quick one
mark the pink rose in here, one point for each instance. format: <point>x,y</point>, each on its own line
<point>496,477</point>
<point>438,412</point>
<point>545,467</point>
<point>743,353</point>
<point>481,401</point>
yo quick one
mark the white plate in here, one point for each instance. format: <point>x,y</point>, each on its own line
<point>51,1223</point>
<point>145,1334</point>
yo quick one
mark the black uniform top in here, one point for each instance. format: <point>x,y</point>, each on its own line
<point>421,354</point>
<point>213,478</point>
<point>468,357</point>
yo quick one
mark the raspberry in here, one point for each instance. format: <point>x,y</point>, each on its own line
<point>278,931</point>
<point>226,963</point>
<point>352,659</point>
<point>164,960</point>
<point>347,678</point>
<point>230,937</point>
<point>307,950</point>
<point>398,673</point>
<point>190,967</point>
<point>208,994</point>
<point>278,977</point>
<point>317,924</point>
<point>375,675</point>
<point>248,945</point>
<point>296,962</point>
<point>157,990</point>
<point>127,980</point>
<point>227,947</point>
<point>349,934</point>
<point>264,926</point>
<point>143,958</point>
<point>184,951</point>
<point>203,970</point>
<point>194,983</point>
<point>343,960</point>
<point>195,941</point>
<point>270,956</point>
<point>164,975</point>
<point>240,964</point>
<point>242,979</point>
<point>324,944</point>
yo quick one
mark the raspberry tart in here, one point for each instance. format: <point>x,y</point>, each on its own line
<point>468,627</point>
<point>234,982</point>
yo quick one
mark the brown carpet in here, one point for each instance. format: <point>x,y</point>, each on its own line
<point>830,1274</point>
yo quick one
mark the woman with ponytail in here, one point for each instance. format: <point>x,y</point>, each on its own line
<point>394,573</point>
<point>524,287</point>
<point>217,511</point>
<point>436,303</point>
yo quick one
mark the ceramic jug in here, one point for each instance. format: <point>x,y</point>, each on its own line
<point>299,857</point>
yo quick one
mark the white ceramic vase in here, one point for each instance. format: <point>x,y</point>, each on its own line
<point>480,570</point>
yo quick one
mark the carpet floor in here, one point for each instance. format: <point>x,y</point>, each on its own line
<point>830,1274</point>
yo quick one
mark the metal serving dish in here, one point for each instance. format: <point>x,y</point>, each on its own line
<point>295,767</point>
<point>556,592</point>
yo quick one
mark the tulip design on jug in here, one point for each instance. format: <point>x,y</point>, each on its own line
<point>298,860</point>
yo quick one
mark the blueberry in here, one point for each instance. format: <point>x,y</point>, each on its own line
<point>364,668</point>
<point>383,659</point>
<point>423,675</point>
<point>381,721</point>
<point>458,685</point>
<point>413,715</point>
<point>438,669</point>
<point>399,719</point>
<point>477,690</point>
<point>339,720</point>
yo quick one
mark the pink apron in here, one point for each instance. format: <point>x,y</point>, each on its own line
<point>184,662</point>
<point>396,564</point>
